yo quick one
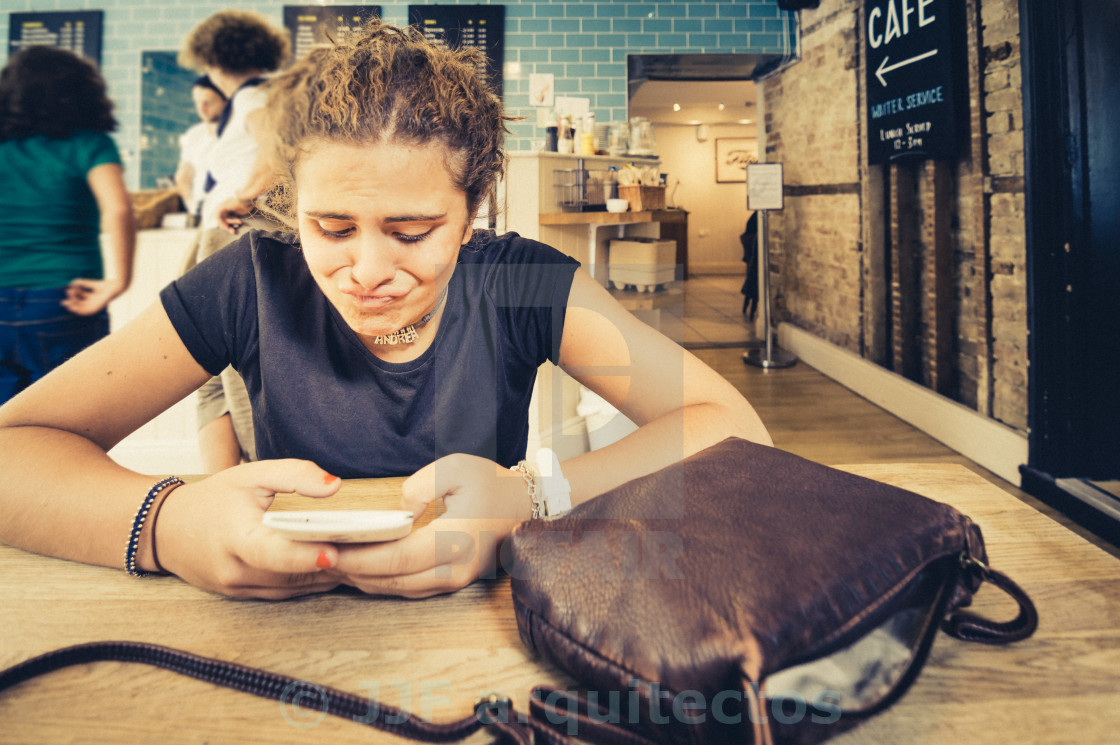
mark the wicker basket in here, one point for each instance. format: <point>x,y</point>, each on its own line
<point>643,198</point>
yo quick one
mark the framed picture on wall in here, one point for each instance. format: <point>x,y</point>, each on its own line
<point>733,154</point>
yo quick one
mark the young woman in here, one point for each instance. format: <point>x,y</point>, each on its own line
<point>61,188</point>
<point>383,337</point>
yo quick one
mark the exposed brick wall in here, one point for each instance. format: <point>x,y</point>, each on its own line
<point>812,127</point>
<point>820,266</point>
<point>1003,105</point>
<point>821,280</point>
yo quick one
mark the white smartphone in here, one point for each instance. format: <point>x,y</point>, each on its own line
<point>340,526</point>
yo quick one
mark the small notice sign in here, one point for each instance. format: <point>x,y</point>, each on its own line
<point>917,100</point>
<point>765,186</point>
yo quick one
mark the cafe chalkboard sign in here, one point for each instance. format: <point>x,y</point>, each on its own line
<point>479,26</point>
<point>917,100</point>
<point>311,26</point>
<point>79,31</point>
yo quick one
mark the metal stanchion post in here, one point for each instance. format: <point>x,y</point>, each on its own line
<point>769,356</point>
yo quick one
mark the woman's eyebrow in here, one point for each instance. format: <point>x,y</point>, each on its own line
<point>391,219</point>
<point>415,218</point>
<point>328,215</point>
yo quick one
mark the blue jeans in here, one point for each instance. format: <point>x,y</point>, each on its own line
<point>37,335</point>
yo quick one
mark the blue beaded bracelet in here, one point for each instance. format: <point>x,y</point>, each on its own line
<point>138,525</point>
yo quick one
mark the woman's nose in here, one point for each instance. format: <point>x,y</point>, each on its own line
<point>374,264</point>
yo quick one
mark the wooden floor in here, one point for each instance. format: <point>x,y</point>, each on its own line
<point>815,417</point>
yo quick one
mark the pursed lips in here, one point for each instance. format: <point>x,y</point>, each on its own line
<point>379,297</point>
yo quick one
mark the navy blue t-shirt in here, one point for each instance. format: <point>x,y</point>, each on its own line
<point>318,393</point>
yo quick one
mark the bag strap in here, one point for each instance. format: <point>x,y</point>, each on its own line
<point>971,627</point>
<point>492,712</point>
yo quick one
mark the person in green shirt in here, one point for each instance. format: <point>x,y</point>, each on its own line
<point>61,189</point>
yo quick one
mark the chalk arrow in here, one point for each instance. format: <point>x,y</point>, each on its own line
<point>884,68</point>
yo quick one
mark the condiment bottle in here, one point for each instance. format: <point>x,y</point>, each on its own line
<point>587,138</point>
<point>564,142</point>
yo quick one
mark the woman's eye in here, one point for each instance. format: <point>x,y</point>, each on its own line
<point>334,231</point>
<point>413,237</point>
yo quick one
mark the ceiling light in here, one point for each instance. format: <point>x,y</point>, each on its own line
<point>722,107</point>
<point>676,107</point>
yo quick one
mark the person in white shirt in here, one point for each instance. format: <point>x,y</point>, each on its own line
<point>236,50</point>
<point>195,144</point>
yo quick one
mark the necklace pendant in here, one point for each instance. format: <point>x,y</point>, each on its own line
<point>407,335</point>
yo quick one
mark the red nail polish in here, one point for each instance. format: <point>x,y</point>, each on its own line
<point>324,561</point>
<point>328,478</point>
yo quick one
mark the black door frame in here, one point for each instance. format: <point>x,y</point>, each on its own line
<point>1062,346</point>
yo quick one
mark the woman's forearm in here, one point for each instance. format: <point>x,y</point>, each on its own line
<point>660,443</point>
<point>119,227</point>
<point>63,496</point>
<point>118,220</point>
<point>60,493</point>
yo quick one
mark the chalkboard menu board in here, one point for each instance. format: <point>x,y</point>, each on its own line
<point>78,31</point>
<point>479,26</point>
<point>917,97</point>
<point>311,26</point>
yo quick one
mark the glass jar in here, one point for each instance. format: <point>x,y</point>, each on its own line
<point>642,141</point>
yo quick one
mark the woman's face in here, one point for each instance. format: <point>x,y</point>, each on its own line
<point>381,226</point>
<point>208,103</point>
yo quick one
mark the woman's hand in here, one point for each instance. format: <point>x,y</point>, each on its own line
<point>209,533</point>
<point>86,297</point>
<point>484,502</point>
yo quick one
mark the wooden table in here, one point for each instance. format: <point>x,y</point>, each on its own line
<point>436,656</point>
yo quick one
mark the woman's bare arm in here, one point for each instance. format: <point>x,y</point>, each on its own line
<point>61,493</point>
<point>680,404</point>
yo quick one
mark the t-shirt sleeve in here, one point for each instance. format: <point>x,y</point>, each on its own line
<point>213,306</point>
<point>530,285</point>
<point>97,149</point>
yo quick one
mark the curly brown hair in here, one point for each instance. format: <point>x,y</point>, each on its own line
<point>52,92</point>
<point>236,41</point>
<point>388,84</point>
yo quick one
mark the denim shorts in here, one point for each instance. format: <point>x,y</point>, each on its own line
<point>37,335</point>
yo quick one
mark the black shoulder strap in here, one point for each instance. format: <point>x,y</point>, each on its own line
<point>265,684</point>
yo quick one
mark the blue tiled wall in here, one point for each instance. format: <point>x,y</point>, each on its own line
<point>584,44</point>
<point>166,112</point>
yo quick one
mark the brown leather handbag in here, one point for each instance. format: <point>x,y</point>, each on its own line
<point>743,595</point>
<point>746,595</point>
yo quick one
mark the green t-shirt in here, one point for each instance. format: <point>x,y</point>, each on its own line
<point>50,225</point>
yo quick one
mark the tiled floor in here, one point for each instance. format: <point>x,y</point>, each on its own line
<point>711,315</point>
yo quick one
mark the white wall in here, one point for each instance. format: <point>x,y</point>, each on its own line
<point>168,443</point>
<point>717,211</point>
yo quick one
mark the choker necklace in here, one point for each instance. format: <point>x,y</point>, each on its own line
<point>408,334</point>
